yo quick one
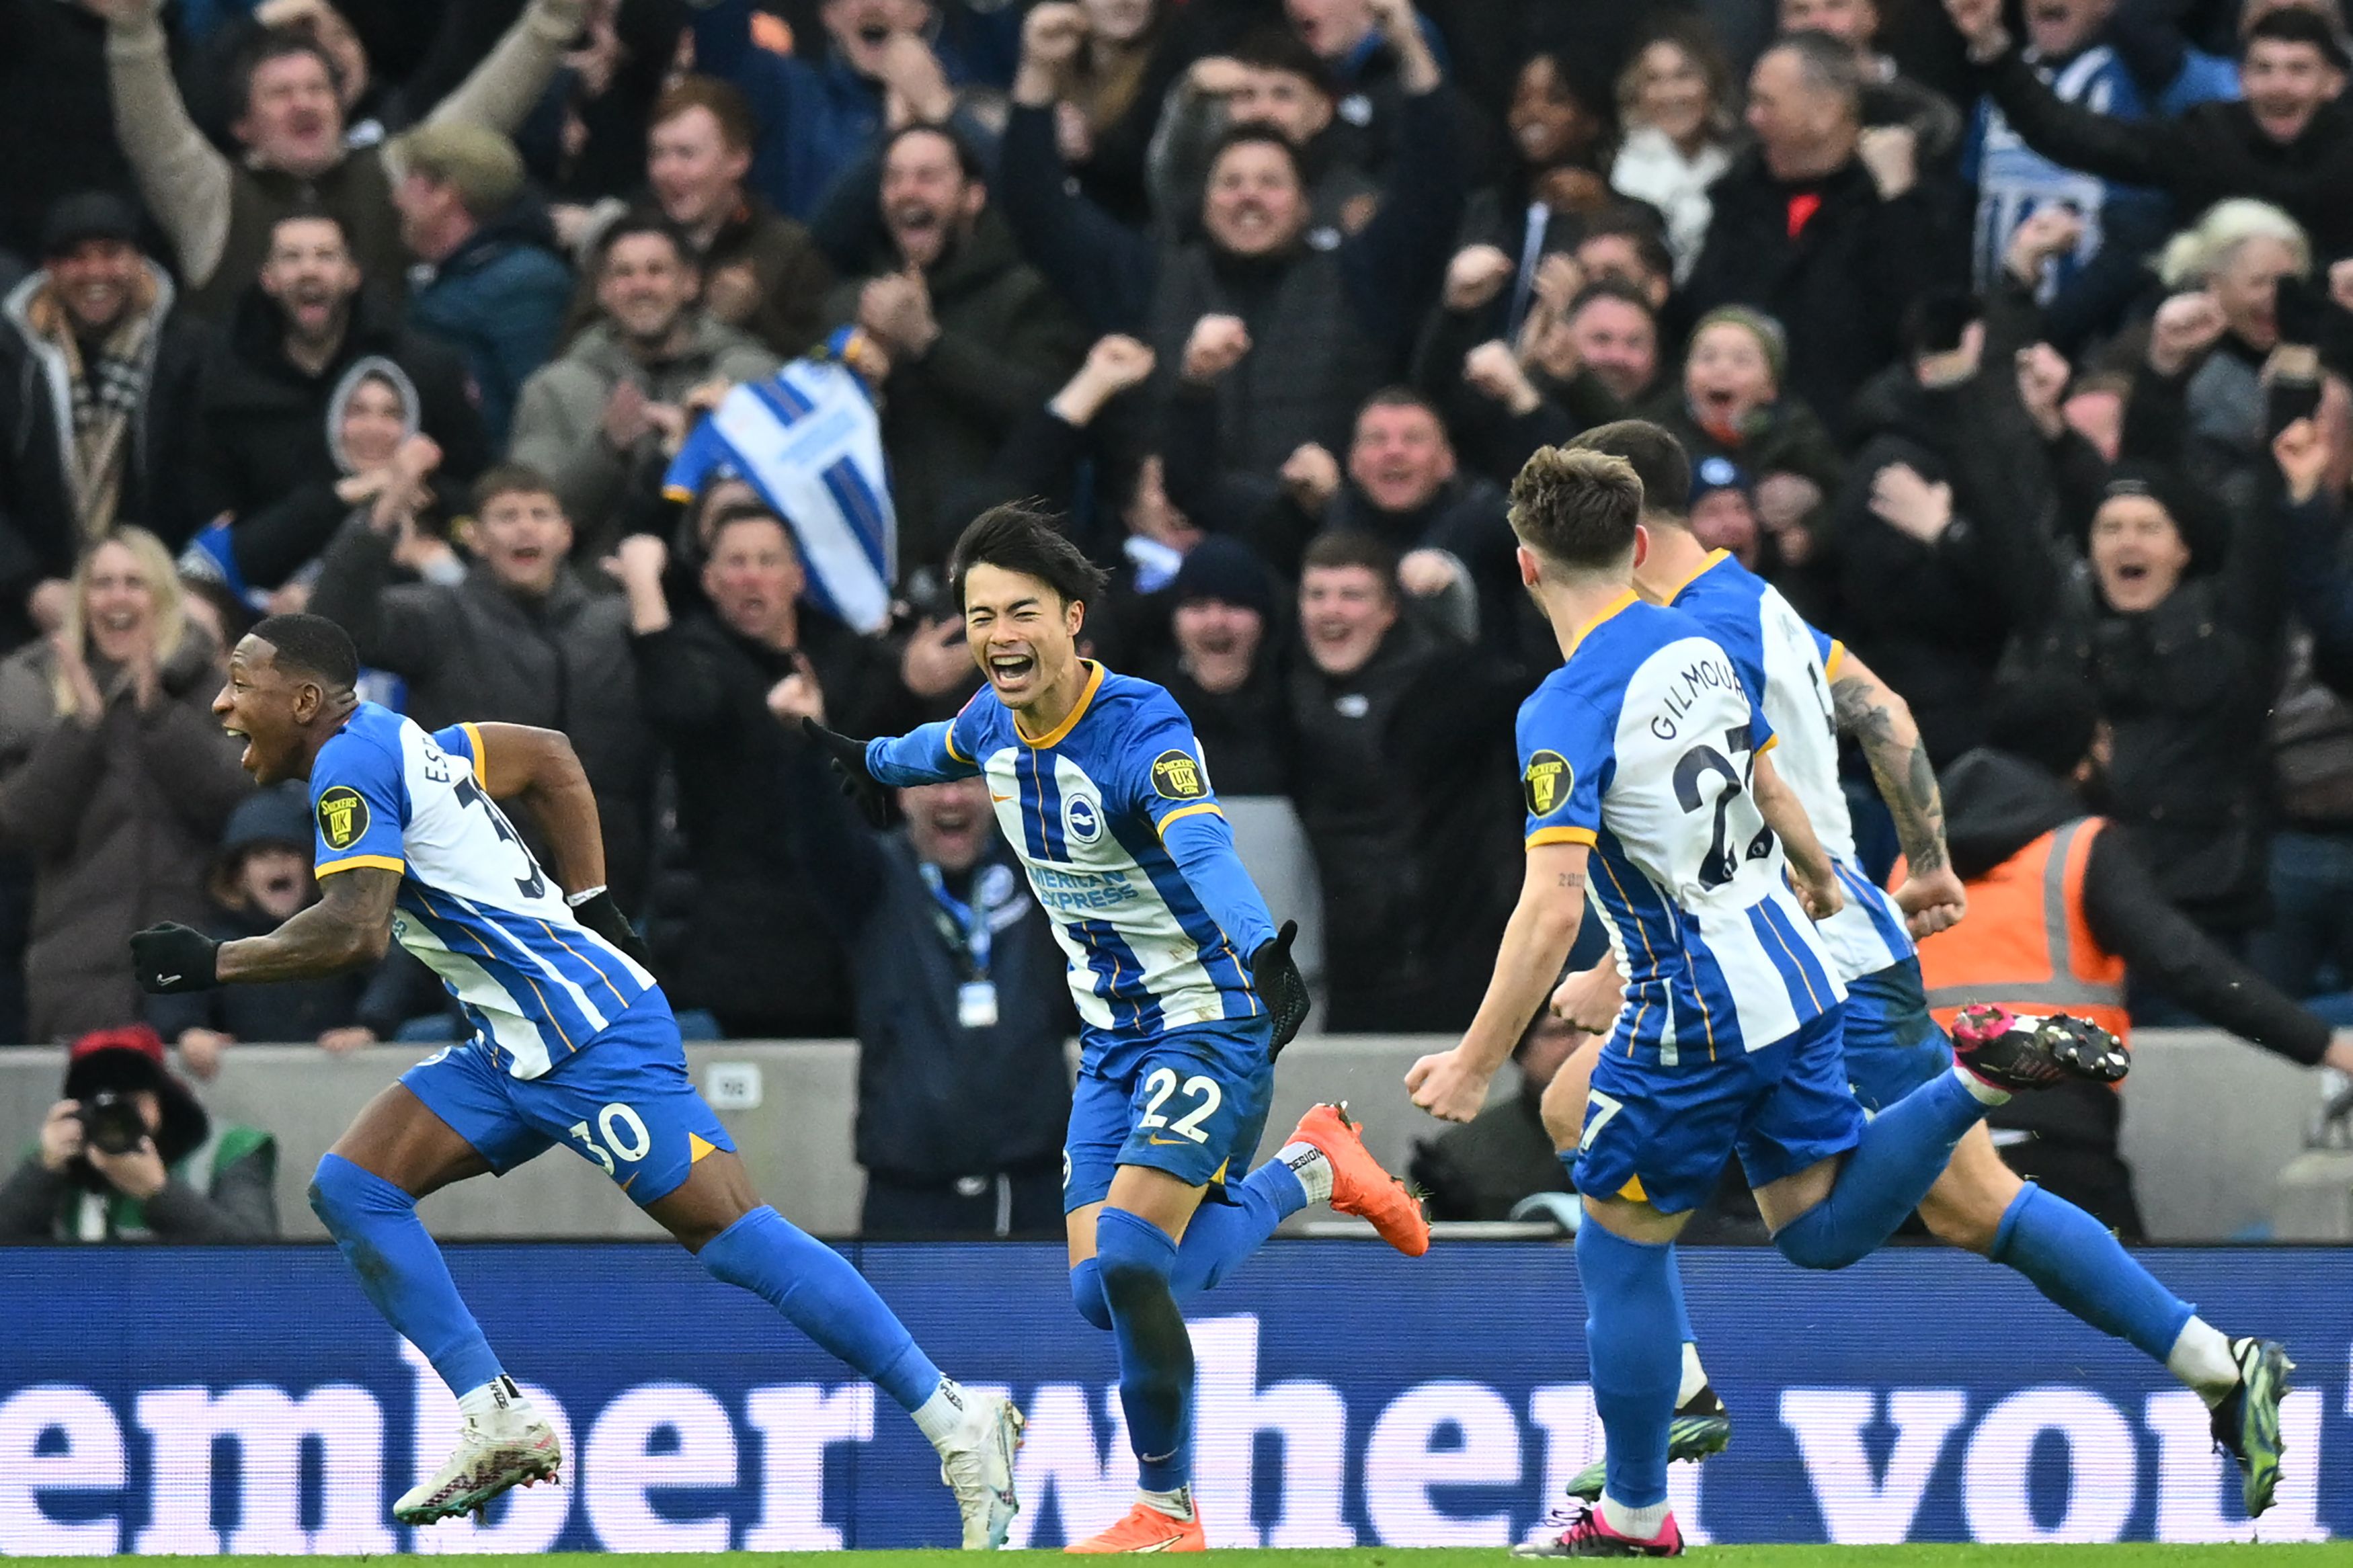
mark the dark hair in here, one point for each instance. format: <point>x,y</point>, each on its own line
<point>511,478</point>
<point>276,44</point>
<point>714,527</point>
<point>1338,548</point>
<point>311,212</point>
<point>1932,323</point>
<point>1255,134</point>
<point>645,220</point>
<point>2049,719</point>
<point>1272,48</point>
<point>1616,289</point>
<point>1830,65</point>
<point>1637,228</point>
<point>737,126</point>
<point>313,645</point>
<point>1399,396</point>
<point>1657,458</point>
<point>967,161</point>
<point>2297,25</point>
<point>1577,508</point>
<point>1018,537</point>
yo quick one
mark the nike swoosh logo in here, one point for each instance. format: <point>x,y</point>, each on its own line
<point>1000,799</point>
<point>168,979</point>
<point>1166,1143</point>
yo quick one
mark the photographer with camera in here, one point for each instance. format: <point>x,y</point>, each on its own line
<point>129,1155</point>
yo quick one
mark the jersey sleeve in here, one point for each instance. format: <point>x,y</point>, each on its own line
<point>464,744</point>
<point>1161,769</point>
<point>1566,748</point>
<point>358,807</point>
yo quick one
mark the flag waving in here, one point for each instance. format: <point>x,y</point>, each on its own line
<point>808,439</point>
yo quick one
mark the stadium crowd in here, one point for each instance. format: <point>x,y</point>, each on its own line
<point>2013,346</point>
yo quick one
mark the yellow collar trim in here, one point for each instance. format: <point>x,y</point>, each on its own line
<point>1715,557</point>
<point>1070,720</point>
<point>1611,608</point>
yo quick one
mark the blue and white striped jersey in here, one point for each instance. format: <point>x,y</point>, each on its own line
<point>1642,745</point>
<point>1787,666</point>
<point>535,983</point>
<point>1101,811</point>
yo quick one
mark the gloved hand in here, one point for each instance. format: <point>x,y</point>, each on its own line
<point>170,959</point>
<point>849,759</point>
<point>1280,985</point>
<point>602,915</point>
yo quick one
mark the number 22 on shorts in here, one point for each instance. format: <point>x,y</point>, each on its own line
<point>625,1137</point>
<point>1202,1091</point>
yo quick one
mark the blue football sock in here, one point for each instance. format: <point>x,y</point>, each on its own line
<point>1087,1293</point>
<point>1634,1356</point>
<point>2074,1259</point>
<point>1222,1234</point>
<point>1156,1353</point>
<point>375,1228</point>
<point>825,1298</point>
<point>1904,1149</point>
<point>1684,1335</point>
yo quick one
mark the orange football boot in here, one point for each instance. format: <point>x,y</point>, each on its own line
<point>1359,1185</point>
<point>1146,1529</point>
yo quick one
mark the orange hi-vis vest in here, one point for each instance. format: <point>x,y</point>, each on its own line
<point>2025,944</point>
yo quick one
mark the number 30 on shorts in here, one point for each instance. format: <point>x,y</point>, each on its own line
<point>1201,1091</point>
<point>625,1138</point>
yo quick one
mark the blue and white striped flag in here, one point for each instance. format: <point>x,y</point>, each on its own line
<point>808,440</point>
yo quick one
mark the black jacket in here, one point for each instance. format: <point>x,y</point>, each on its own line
<point>937,1100</point>
<point>2207,152</point>
<point>1996,804</point>
<point>1841,287</point>
<point>474,651</point>
<point>265,456</point>
<point>282,1012</point>
<point>1479,1172</point>
<point>755,949</point>
<point>1248,729</point>
<point>37,510</point>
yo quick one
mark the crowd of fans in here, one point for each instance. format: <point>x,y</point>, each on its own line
<point>2011,346</point>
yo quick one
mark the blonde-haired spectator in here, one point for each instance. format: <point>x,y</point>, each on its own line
<point>115,780</point>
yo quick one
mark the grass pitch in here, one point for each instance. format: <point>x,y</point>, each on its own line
<point>2329,1555</point>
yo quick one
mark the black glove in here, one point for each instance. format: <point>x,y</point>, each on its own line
<point>600,914</point>
<point>1280,985</point>
<point>849,759</point>
<point>170,959</point>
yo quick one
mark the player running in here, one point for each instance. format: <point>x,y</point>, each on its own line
<point>1811,689</point>
<point>1643,765</point>
<point>1186,991</point>
<point>573,1044</point>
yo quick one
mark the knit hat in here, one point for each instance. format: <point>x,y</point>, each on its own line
<point>87,215</point>
<point>1770,337</point>
<point>278,815</point>
<point>1225,570</point>
<point>1715,473</point>
<point>482,165</point>
<point>2203,535</point>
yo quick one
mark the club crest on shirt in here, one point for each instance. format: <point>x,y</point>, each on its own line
<point>1080,819</point>
<point>1177,776</point>
<point>342,816</point>
<point>1548,781</point>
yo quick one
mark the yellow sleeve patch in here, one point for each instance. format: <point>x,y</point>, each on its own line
<point>1543,836</point>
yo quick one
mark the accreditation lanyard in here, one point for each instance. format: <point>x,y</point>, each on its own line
<point>967,928</point>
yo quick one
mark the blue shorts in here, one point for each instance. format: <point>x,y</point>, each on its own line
<point>623,1101</point>
<point>1893,1046</point>
<point>1190,1102</point>
<point>1660,1134</point>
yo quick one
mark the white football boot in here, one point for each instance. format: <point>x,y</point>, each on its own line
<point>499,1448</point>
<point>977,1466</point>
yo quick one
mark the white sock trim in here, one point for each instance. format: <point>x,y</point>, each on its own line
<point>1983,1092</point>
<point>1177,1505</point>
<point>1694,1375</point>
<point>497,1400</point>
<point>1313,1168</point>
<point>943,1416</point>
<point>1641,1524</point>
<point>2201,1359</point>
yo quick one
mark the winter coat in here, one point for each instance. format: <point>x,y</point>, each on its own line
<point>559,423</point>
<point>37,438</point>
<point>1005,342</point>
<point>1841,286</point>
<point>1651,168</point>
<point>267,456</point>
<point>120,819</point>
<point>498,300</point>
<point>475,652</point>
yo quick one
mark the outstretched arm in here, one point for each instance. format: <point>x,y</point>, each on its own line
<point>1452,1085</point>
<point>1810,863</point>
<point>539,769</point>
<point>348,928</point>
<point>1881,722</point>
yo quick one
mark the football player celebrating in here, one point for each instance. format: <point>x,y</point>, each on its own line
<point>573,1043</point>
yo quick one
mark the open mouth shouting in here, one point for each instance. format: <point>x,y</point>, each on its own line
<point>1011,670</point>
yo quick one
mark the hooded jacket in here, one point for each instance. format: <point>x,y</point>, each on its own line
<point>37,507</point>
<point>269,454</point>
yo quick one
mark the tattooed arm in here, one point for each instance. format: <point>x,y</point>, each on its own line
<point>1881,722</point>
<point>350,926</point>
